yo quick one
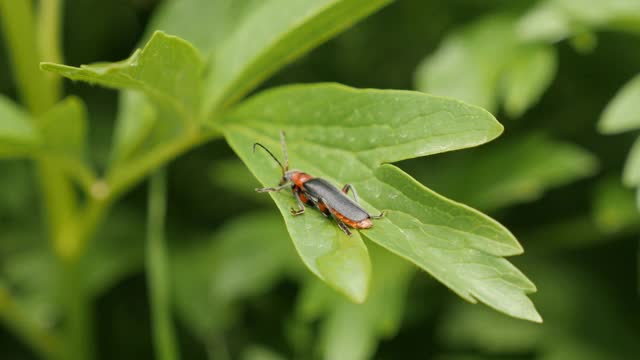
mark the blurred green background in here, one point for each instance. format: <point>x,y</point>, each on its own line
<point>551,179</point>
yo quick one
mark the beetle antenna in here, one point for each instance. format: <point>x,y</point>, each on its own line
<point>284,150</point>
<point>270,153</point>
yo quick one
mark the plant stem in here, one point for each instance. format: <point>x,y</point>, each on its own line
<point>158,270</point>
<point>77,303</point>
<point>27,44</point>
<point>19,29</point>
<point>43,343</point>
<point>49,40</point>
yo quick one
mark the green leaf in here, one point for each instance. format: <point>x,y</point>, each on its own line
<point>631,174</point>
<point>555,20</point>
<point>245,258</point>
<point>471,66</point>
<point>544,22</point>
<point>623,112</point>
<point>269,38</point>
<point>204,23</point>
<point>526,77</point>
<point>168,70</point>
<point>136,120</point>
<point>467,65</point>
<point>507,172</point>
<point>18,137</point>
<point>64,130</point>
<point>344,135</point>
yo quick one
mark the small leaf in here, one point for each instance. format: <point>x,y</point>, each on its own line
<point>544,22</point>
<point>18,137</point>
<point>64,128</point>
<point>467,65</point>
<point>168,70</point>
<point>344,135</point>
<point>471,66</point>
<point>506,172</point>
<point>269,38</point>
<point>623,112</point>
<point>526,76</point>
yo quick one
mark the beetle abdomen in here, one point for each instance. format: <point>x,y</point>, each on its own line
<point>344,207</point>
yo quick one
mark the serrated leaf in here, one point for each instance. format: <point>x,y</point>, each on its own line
<point>344,135</point>
<point>168,70</point>
<point>18,136</point>
<point>623,112</point>
<point>526,76</point>
<point>244,258</point>
<point>507,172</point>
<point>269,38</point>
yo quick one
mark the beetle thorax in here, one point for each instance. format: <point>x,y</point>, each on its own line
<point>297,177</point>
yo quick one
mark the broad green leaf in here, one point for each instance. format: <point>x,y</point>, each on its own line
<point>507,172</point>
<point>623,112</point>
<point>526,76</point>
<point>468,64</point>
<point>168,70</point>
<point>352,331</point>
<point>344,135</point>
<point>243,259</point>
<point>270,37</point>
<point>204,23</point>
<point>614,207</point>
<point>18,137</point>
<point>631,175</point>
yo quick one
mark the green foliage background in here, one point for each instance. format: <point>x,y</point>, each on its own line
<point>108,275</point>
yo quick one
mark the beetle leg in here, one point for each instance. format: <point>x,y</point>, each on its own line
<point>273,189</point>
<point>341,225</point>
<point>382,214</point>
<point>347,187</point>
<point>300,210</point>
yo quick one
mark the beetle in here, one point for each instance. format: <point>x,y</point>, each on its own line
<point>321,194</point>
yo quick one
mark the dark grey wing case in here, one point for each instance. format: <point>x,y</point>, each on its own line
<point>336,199</point>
